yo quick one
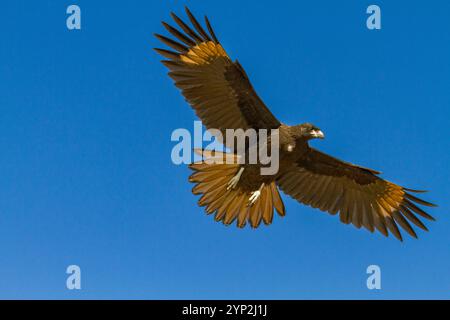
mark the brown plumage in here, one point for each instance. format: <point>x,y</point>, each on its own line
<point>222,96</point>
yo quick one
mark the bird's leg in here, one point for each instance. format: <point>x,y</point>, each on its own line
<point>234,181</point>
<point>255,195</point>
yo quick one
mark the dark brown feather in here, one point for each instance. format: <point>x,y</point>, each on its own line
<point>210,29</point>
<point>197,25</point>
<point>167,53</point>
<point>178,34</point>
<point>186,28</point>
<point>171,43</point>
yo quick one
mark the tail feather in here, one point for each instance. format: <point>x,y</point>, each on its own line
<point>245,213</point>
<point>201,188</point>
<point>267,206</point>
<point>277,202</point>
<point>229,205</point>
<point>255,214</point>
<point>221,213</point>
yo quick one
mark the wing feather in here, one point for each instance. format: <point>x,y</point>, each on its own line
<point>218,89</point>
<point>356,193</point>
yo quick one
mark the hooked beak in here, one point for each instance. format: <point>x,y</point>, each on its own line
<point>317,134</point>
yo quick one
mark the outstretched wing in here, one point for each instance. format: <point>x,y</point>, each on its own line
<point>217,88</point>
<point>357,193</point>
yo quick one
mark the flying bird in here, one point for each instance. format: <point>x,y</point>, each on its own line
<point>220,92</point>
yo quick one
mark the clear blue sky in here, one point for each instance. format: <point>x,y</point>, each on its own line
<point>86,176</point>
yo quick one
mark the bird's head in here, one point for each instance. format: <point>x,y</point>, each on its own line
<point>307,131</point>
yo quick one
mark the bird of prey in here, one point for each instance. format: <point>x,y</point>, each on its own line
<point>220,92</point>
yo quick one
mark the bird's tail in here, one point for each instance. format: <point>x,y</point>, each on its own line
<point>232,203</point>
